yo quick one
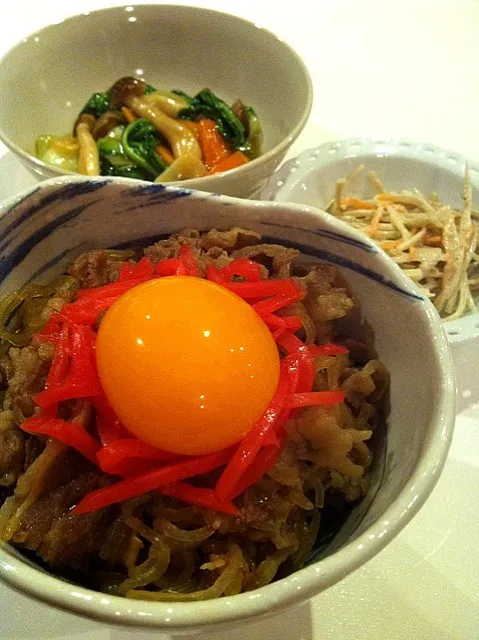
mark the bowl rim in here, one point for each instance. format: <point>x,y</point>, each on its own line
<point>277,150</point>
<point>331,151</point>
<point>307,582</point>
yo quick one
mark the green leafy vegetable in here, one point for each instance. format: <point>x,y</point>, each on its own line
<point>206,103</point>
<point>149,89</point>
<point>124,171</point>
<point>139,141</point>
<point>112,150</point>
<point>97,104</point>
<point>129,152</point>
<point>109,146</point>
<point>114,161</point>
<point>183,95</point>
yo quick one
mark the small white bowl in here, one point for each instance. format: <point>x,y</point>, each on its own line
<point>43,229</point>
<point>400,164</point>
<point>46,79</point>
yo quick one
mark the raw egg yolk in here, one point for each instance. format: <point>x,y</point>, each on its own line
<point>187,365</point>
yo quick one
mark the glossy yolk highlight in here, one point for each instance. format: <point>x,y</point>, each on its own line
<point>187,365</point>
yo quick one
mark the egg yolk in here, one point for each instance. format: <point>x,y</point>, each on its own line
<point>187,365</point>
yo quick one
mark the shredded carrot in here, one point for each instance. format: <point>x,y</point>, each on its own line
<point>412,253</point>
<point>165,153</point>
<point>212,143</point>
<point>389,245</point>
<point>128,114</point>
<point>236,159</point>
<point>355,203</point>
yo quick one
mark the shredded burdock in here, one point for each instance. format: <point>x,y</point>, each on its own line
<point>155,546</point>
<point>435,244</point>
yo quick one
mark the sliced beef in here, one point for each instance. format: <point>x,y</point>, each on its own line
<point>73,538</point>
<point>30,369</point>
<point>231,240</point>
<point>370,382</point>
<point>96,268</point>
<point>12,449</point>
<point>276,258</point>
<point>59,536</point>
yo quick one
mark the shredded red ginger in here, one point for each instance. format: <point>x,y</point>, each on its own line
<point>144,468</point>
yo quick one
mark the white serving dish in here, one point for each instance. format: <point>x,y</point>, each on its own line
<point>171,47</point>
<point>400,164</point>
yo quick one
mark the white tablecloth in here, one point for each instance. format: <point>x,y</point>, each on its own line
<point>387,69</point>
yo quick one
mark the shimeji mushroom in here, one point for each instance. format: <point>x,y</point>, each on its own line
<point>184,167</point>
<point>130,91</point>
<point>88,155</point>
<point>168,102</point>
<point>106,123</point>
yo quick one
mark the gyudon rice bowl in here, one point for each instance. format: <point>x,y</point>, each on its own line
<point>96,502</point>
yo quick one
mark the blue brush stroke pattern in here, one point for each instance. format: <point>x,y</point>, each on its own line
<point>163,199</point>
<point>17,255</point>
<point>159,194</point>
<point>156,190</point>
<point>323,254</point>
<point>67,192</point>
<point>141,243</point>
<point>332,235</point>
<point>18,203</point>
<point>51,263</point>
<point>63,194</point>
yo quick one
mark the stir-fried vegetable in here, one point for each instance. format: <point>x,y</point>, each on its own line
<point>136,130</point>
<point>139,141</point>
<point>255,134</point>
<point>98,104</point>
<point>29,307</point>
<point>53,150</point>
<point>206,103</point>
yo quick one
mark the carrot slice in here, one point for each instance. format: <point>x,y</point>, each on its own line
<point>233,161</point>
<point>212,143</point>
<point>165,153</point>
<point>128,114</point>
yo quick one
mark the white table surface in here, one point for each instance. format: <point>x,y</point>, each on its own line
<point>380,68</point>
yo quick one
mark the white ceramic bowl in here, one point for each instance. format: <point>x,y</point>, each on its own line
<point>310,179</point>
<point>47,78</point>
<point>44,229</point>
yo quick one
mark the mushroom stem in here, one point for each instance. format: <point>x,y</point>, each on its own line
<point>88,156</point>
<point>182,168</point>
<point>182,141</point>
<point>168,102</point>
